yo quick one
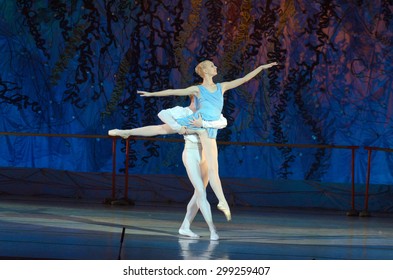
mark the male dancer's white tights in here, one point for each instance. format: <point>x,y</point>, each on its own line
<point>197,172</point>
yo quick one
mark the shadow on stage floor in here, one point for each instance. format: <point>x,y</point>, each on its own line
<point>48,228</point>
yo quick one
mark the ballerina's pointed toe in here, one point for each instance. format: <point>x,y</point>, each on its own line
<point>118,132</point>
<point>226,211</point>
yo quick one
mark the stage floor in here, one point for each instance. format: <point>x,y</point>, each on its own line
<point>49,228</point>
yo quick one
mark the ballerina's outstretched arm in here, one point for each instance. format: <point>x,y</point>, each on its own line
<point>238,82</point>
<point>192,90</point>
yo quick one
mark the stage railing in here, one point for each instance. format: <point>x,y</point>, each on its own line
<point>351,212</point>
<point>365,212</point>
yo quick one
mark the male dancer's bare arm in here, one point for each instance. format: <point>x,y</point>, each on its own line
<point>169,116</point>
<point>219,124</point>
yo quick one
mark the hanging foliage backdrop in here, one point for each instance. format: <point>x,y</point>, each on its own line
<point>74,67</point>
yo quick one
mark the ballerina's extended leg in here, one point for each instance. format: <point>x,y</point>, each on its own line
<point>147,131</point>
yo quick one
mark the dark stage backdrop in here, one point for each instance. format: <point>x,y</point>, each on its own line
<point>73,67</point>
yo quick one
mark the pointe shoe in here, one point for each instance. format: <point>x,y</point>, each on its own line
<point>225,210</point>
<point>118,132</point>
<point>113,132</point>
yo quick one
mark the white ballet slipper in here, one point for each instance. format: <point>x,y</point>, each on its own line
<point>188,233</point>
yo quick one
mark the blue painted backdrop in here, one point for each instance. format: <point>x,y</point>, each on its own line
<point>74,67</point>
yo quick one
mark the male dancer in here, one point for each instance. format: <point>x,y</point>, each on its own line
<point>193,159</point>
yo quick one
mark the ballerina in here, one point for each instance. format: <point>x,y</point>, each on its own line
<point>209,104</point>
